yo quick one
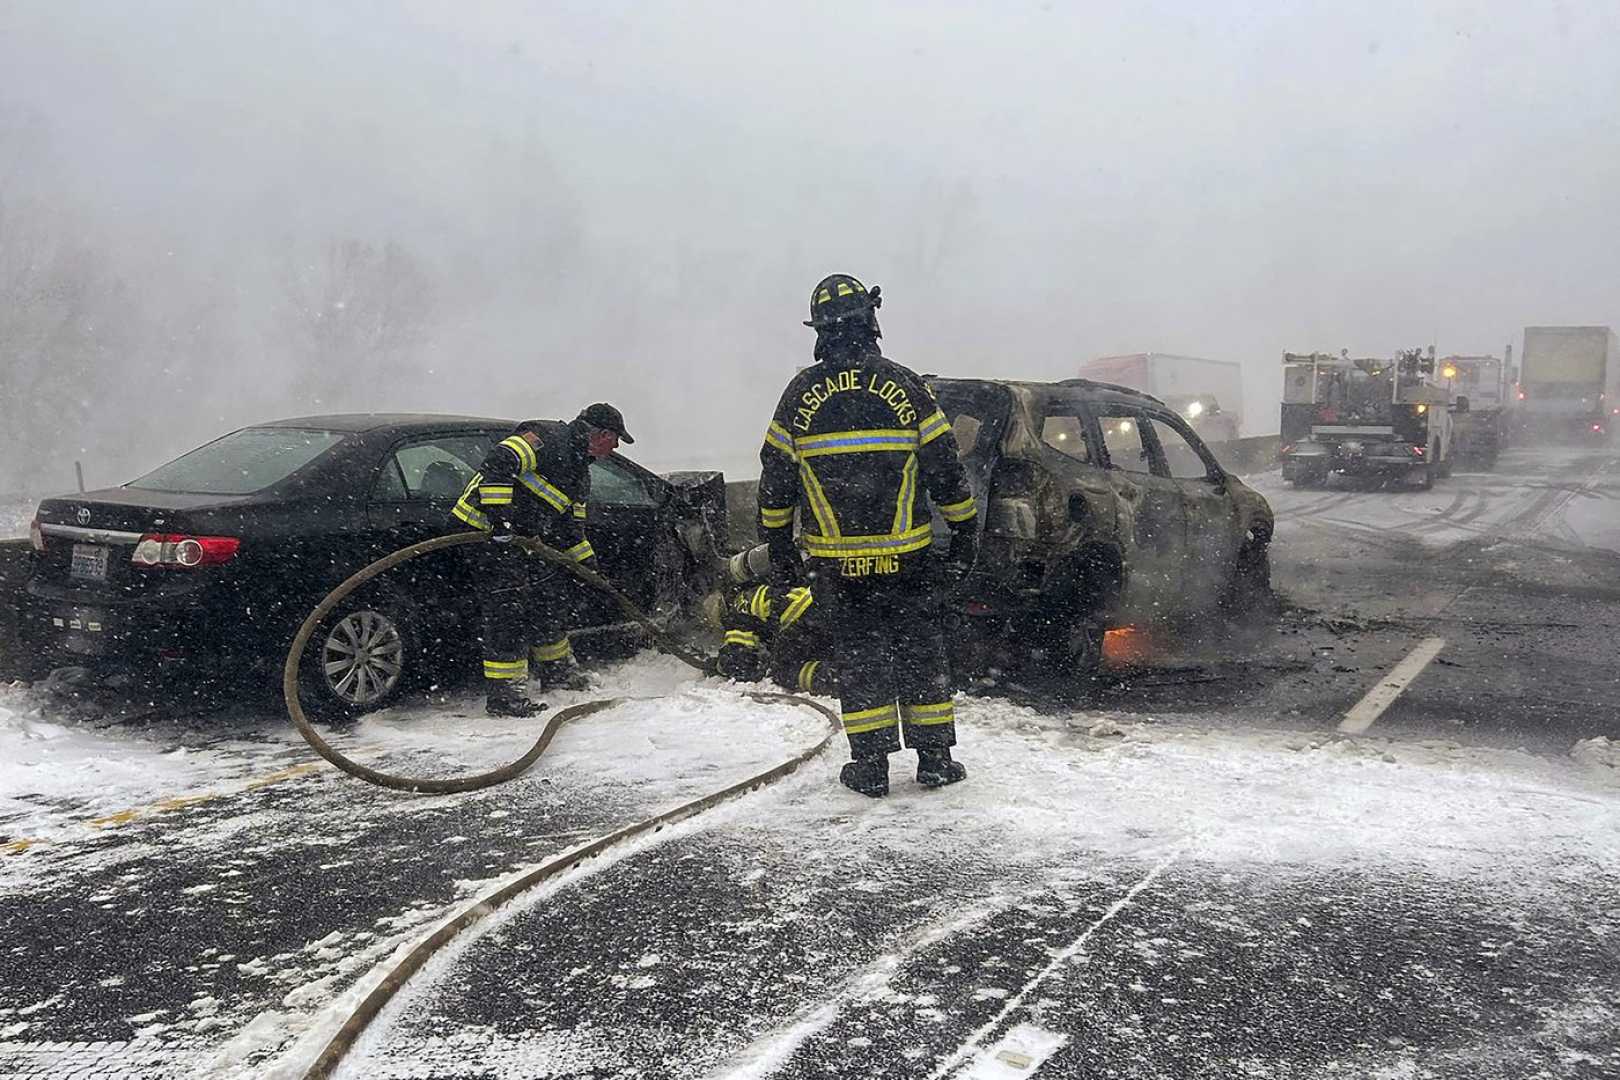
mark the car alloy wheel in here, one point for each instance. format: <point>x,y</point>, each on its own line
<point>363,658</point>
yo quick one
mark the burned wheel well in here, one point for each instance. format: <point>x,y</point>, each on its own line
<point>1099,577</point>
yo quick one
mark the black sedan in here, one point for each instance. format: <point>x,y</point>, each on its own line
<point>213,560</point>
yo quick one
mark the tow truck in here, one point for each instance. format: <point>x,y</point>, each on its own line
<point>1364,417</point>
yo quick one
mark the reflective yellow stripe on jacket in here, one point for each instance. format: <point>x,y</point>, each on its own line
<point>525,453</point>
<point>549,493</point>
<point>465,510</point>
<point>960,511</point>
<point>848,547</point>
<point>799,601</point>
<point>932,428</point>
<point>781,438</point>
<point>855,442</point>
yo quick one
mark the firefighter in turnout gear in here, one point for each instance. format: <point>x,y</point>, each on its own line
<point>774,630</point>
<point>859,450</point>
<point>536,482</point>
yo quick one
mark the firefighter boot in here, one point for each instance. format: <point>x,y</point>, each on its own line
<point>564,675</point>
<point>506,698</point>
<point>867,775</point>
<point>936,769</point>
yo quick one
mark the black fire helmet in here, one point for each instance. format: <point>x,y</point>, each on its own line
<point>839,299</point>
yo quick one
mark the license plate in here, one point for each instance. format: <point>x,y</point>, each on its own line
<point>89,562</point>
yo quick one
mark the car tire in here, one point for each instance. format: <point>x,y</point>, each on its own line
<point>360,659</point>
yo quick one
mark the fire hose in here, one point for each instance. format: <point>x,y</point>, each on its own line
<point>290,671</point>
<point>412,961</point>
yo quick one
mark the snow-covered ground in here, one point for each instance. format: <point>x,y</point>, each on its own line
<point>1046,792</point>
<point>1051,794</point>
<point>1519,500</point>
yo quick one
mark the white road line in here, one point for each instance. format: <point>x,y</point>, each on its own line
<point>952,1063</point>
<point>1020,1053</point>
<point>1387,689</point>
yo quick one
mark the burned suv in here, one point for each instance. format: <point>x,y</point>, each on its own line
<point>1100,508</point>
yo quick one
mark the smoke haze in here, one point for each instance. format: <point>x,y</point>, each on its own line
<point>218,213</point>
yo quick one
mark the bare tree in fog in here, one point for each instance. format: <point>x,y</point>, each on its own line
<point>356,321</point>
<point>66,322</point>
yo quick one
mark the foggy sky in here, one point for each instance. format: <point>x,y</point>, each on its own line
<point>632,205</point>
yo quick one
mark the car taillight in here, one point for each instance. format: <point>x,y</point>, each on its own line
<point>184,552</point>
<point>36,535</point>
<point>1286,448</point>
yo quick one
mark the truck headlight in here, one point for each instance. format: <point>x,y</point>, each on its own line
<point>1195,410</point>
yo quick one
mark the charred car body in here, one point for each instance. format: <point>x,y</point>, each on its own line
<point>214,559</point>
<point>1100,508</point>
<point>1364,417</point>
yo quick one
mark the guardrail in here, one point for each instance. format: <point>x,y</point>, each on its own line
<point>17,661</point>
<point>1244,456</point>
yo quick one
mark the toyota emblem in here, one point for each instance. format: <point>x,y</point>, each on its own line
<point>84,515</point>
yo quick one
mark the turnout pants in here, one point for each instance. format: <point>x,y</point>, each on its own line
<point>888,649</point>
<point>525,607</point>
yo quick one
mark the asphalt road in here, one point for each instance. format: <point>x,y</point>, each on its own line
<point>1191,872</point>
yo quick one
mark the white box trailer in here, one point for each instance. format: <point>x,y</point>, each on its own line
<point>1569,381</point>
<point>1209,393</point>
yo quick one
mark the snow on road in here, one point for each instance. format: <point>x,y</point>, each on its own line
<point>1553,494</point>
<point>1048,796</point>
<point>1051,799</point>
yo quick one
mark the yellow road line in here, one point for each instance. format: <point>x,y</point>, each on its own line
<point>171,803</point>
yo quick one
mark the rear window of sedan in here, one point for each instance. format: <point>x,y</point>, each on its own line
<point>241,463</point>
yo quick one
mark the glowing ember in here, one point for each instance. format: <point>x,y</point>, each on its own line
<point>1127,646</point>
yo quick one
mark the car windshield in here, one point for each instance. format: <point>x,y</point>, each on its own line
<point>241,463</point>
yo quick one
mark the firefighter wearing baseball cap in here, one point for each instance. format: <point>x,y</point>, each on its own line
<point>535,482</point>
<point>859,451</point>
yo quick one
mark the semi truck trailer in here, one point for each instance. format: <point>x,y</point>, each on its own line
<point>1207,393</point>
<point>1569,383</point>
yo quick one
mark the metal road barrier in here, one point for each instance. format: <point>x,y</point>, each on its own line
<point>17,659</point>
